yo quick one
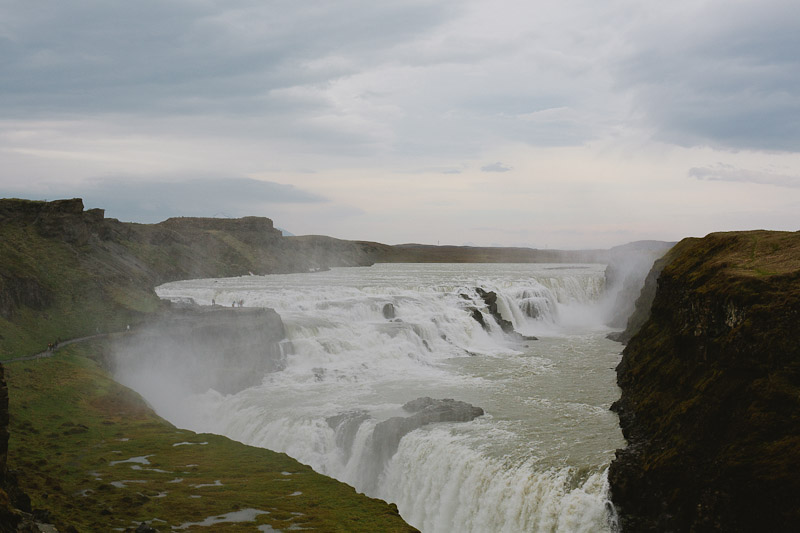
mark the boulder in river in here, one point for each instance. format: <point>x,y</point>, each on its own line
<point>387,434</point>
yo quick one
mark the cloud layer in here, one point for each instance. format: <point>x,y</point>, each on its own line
<point>441,106</point>
<point>723,172</point>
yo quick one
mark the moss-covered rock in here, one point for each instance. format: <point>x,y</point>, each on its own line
<point>711,391</point>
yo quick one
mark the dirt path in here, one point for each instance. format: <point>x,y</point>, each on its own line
<point>50,353</point>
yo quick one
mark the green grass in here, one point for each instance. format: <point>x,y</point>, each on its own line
<point>85,292</point>
<point>70,421</point>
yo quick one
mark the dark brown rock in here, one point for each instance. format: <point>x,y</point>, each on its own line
<point>711,391</point>
<point>641,310</point>
<point>490,298</point>
<point>387,434</point>
<point>478,317</point>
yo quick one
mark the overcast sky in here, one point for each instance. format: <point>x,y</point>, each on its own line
<point>554,124</point>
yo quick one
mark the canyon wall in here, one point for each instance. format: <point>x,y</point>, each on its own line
<point>203,347</point>
<point>710,383</point>
<point>67,272</point>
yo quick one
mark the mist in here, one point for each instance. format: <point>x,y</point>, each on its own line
<point>191,349</point>
<point>367,372</point>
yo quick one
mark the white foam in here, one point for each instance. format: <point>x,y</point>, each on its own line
<point>535,461</point>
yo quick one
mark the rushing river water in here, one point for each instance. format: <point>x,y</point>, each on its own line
<point>536,461</point>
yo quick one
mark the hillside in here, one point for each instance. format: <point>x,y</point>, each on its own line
<point>710,385</point>
<point>67,273</point>
<point>424,253</point>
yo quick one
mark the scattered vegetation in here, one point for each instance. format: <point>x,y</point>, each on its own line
<point>92,453</point>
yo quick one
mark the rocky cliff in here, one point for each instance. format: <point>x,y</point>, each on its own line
<point>626,272</point>
<point>202,347</point>
<point>67,272</point>
<point>640,310</point>
<point>64,269</point>
<point>710,401</point>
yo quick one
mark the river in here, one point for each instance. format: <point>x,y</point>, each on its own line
<point>535,461</point>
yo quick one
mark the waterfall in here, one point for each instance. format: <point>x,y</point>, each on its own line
<point>535,461</point>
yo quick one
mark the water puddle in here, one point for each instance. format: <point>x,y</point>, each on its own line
<point>243,515</point>
<point>142,460</point>
<point>124,483</point>
<point>217,483</point>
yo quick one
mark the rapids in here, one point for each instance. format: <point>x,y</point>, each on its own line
<point>536,461</point>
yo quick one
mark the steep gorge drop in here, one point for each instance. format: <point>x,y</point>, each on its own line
<point>392,404</point>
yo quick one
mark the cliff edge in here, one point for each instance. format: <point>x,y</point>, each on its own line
<point>68,273</point>
<point>710,383</point>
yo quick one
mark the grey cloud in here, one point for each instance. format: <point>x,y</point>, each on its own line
<point>505,231</point>
<point>135,200</point>
<point>178,57</point>
<point>402,78</point>
<point>723,172</point>
<point>495,167</point>
<point>727,77</point>
<point>437,170</point>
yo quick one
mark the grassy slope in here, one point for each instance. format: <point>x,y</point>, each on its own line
<point>83,298</point>
<point>70,421</point>
<point>717,260</point>
<point>67,414</point>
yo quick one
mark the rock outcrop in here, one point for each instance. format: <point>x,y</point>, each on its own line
<point>204,347</point>
<point>15,505</point>
<point>490,299</point>
<point>626,272</point>
<point>387,434</point>
<point>9,518</point>
<point>642,305</point>
<point>383,443</point>
<point>711,391</point>
<point>76,271</point>
<point>60,219</point>
<point>17,291</point>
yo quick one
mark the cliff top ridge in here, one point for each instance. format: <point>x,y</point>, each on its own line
<point>756,253</point>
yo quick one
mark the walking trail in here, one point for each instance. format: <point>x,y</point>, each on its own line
<point>50,353</point>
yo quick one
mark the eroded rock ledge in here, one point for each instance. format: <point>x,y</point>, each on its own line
<point>204,347</point>
<point>711,391</point>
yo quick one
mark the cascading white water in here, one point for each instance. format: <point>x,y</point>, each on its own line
<point>535,461</point>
